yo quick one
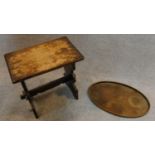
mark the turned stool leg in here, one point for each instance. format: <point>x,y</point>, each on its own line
<point>69,70</point>
<point>29,98</point>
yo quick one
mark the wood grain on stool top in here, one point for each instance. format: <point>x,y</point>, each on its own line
<point>41,58</point>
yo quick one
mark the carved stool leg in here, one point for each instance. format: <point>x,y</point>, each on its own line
<point>69,70</point>
<point>29,98</point>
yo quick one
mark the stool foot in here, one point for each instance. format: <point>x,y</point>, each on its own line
<point>73,89</point>
<point>29,98</point>
<point>33,108</point>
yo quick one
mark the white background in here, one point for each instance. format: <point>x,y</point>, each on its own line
<point>76,17</point>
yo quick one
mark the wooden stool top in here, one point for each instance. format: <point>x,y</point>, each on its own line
<point>42,58</point>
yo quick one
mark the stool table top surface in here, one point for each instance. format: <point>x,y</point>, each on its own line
<point>41,58</point>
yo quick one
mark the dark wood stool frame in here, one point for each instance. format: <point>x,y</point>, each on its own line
<point>42,58</point>
<point>69,78</point>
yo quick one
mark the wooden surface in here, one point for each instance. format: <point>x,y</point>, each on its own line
<point>119,99</point>
<point>28,62</point>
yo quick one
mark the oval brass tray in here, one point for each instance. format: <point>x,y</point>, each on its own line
<point>118,99</point>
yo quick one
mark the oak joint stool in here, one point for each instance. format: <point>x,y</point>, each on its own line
<point>42,58</point>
